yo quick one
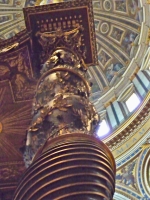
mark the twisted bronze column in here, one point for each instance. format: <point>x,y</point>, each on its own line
<point>68,161</point>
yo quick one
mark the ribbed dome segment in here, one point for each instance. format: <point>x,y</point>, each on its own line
<point>73,166</point>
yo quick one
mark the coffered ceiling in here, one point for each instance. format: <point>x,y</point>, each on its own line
<point>121,30</point>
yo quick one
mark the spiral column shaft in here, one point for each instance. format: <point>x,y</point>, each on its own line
<point>65,159</point>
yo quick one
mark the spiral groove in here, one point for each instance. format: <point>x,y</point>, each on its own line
<point>73,166</point>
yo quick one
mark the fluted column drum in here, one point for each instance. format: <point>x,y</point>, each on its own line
<point>72,166</point>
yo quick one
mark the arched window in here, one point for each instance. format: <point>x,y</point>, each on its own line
<point>132,102</point>
<point>103,129</point>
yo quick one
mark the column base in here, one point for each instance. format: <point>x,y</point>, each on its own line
<point>73,166</point>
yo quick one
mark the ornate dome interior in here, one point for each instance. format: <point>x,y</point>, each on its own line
<point>121,30</point>
<point>123,47</point>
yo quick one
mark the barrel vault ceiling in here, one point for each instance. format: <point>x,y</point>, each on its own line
<point>122,36</point>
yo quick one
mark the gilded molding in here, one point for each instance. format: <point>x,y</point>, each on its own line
<point>18,38</point>
<point>134,72</point>
<point>146,144</point>
<point>1,127</point>
<point>8,48</point>
<point>109,102</point>
<point>148,36</point>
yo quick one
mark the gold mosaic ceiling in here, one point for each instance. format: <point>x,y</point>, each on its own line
<point>121,37</point>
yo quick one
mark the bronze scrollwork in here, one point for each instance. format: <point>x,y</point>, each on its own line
<point>8,48</point>
<point>61,104</point>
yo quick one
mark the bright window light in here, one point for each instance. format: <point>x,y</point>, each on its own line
<point>103,128</point>
<point>133,102</point>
